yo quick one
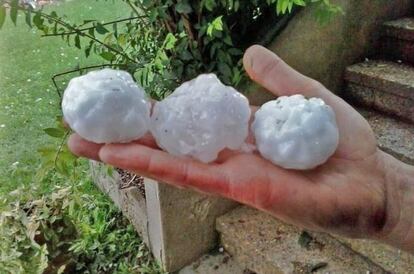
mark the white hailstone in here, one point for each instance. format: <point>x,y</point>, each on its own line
<point>201,118</point>
<point>106,106</point>
<point>296,133</point>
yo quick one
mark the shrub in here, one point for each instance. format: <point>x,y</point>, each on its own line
<point>165,42</point>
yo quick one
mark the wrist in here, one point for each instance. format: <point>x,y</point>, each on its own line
<point>399,188</point>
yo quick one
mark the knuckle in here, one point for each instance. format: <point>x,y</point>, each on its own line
<point>269,68</point>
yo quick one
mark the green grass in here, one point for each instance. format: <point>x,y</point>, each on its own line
<point>28,104</point>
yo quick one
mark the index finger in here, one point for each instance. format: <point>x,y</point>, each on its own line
<point>270,71</point>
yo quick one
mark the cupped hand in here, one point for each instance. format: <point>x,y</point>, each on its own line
<point>347,195</point>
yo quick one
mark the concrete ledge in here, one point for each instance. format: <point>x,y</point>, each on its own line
<point>385,86</point>
<point>266,245</point>
<point>394,137</point>
<point>392,259</point>
<point>387,77</point>
<point>402,29</point>
<point>130,200</point>
<point>181,223</point>
<point>397,42</point>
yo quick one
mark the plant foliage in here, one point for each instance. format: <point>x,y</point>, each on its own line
<point>68,231</point>
<point>166,42</point>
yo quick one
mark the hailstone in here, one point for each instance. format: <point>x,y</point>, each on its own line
<point>296,133</point>
<point>106,106</point>
<point>201,118</point>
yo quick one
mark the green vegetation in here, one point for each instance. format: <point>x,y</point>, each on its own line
<point>53,222</point>
<point>52,217</point>
<point>164,42</point>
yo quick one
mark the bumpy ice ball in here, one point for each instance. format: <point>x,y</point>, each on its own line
<point>201,118</point>
<point>106,106</point>
<point>296,133</point>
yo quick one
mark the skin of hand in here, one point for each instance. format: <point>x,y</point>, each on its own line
<point>360,192</point>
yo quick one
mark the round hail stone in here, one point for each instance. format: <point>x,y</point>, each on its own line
<point>201,118</point>
<point>296,133</point>
<point>106,106</point>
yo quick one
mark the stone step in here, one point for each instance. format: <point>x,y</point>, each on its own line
<point>383,85</point>
<point>392,259</point>
<point>266,245</point>
<point>394,137</point>
<point>397,42</point>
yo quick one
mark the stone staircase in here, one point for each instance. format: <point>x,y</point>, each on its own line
<point>383,91</point>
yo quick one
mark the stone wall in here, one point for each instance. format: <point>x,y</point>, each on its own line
<point>324,51</point>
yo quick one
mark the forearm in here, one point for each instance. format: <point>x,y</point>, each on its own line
<point>399,229</point>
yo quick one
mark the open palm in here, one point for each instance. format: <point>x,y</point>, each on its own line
<point>336,197</point>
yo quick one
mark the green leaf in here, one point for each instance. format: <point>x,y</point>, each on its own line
<point>122,39</point>
<point>107,55</point>
<point>210,4</point>
<point>300,3</point>
<point>216,25</point>
<point>29,18</point>
<point>54,132</point>
<point>38,21</point>
<point>77,42</point>
<point>62,167</point>
<point>13,11</point>
<point>235,52</point>
<point>110,171</point>
<point>170,41</point>
<point>224,69</point>
<point>183,7</point>
<point>2,15</point>
<point>186,55</point>
<point>101,29</point>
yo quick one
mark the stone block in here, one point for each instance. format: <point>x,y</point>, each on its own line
<point>360,94</point>
<point>388,77</point>
<point>401,29</point>
<point>386,86</point>
<point>391,259</point>
<point>397,50</point>
<point>397,41</point>
<point>181,223</point>
<point>395,105</point>
<point>266,245</point>
<point>394,137</point>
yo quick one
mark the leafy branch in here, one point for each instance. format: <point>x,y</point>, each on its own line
<point>79,31</point>
<point>87,35</point>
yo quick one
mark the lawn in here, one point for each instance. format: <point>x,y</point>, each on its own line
<point>28,104</point>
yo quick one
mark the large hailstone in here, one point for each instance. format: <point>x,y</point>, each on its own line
<point>201,118</point>
<point>296,133</point>
<point>106,106</point>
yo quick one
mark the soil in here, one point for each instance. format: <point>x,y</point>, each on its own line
<point>129,180</point>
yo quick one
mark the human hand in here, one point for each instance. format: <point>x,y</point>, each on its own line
<point>349,195</point>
